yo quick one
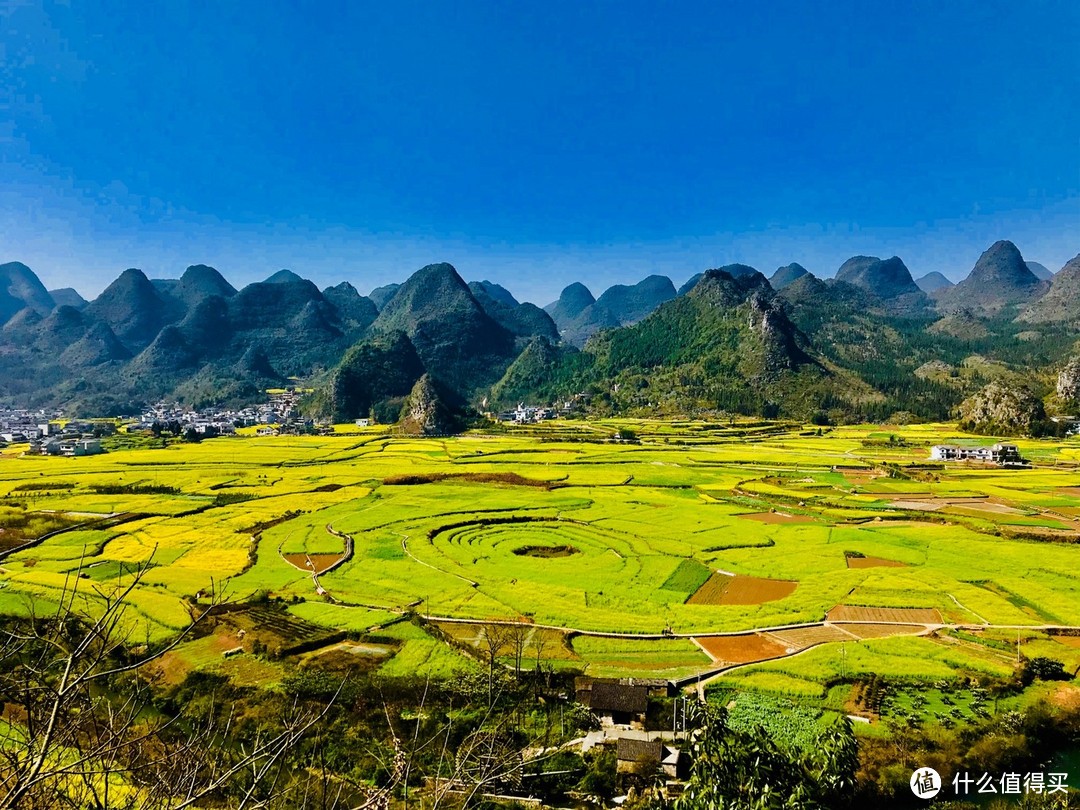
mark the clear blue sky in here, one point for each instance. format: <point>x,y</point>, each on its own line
<point>533,144</point>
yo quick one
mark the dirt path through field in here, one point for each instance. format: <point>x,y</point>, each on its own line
<point>414,558</point>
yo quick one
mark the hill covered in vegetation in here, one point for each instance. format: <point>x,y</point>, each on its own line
<point>871,343</point>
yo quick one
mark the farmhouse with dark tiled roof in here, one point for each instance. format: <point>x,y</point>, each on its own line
<point>616,703</point>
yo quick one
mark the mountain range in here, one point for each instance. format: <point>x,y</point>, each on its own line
<point>870,343</point>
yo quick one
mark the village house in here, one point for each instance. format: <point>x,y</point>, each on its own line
<point>46,447</point>
<point>1003,455</point>
<point>643,757</point>
<point>527,414</point>
<point>69,446</point>
<point>618,703</point>
<point>82,447</point>
<point>24,425</point>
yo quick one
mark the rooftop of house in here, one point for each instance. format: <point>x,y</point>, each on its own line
<point>615,697</point>
<point>629,750</point>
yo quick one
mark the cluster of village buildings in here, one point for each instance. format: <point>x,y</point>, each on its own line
<point>47,432</point>
<point>529,414</point>
<point>21,425</point>
<point>48,435</point>
<point>645,756</point>
<point>621,706</point>
<point>282,408</point>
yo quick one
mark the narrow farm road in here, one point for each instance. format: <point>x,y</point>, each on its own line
<point>404,547</point>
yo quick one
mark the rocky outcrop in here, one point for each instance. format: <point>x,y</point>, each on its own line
<point>778,336</point>
<point>1068,383</point>
<point>378,370</point>
<point>425,412</point>
<point>960,323</point>
<point>1000,409</point>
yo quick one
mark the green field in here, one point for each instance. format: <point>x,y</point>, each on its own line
<point>556,525</point>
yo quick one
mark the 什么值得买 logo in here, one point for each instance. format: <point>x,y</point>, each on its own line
<point>925,783</point>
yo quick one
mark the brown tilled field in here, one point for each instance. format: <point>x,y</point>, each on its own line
<point>807,636</point>
<point>852,613</point>
<point>777,517</point>
<point>882,630</point>
<point>741,649</point>
<point>722,589</point>
<point>873,562</point>
<point>1068,641</point>
<point>320,561</point>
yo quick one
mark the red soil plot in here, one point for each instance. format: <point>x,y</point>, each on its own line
<point>722,589</point>
<point>319,562</point>
<point>742,649</point>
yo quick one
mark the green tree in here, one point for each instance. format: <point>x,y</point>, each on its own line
<point>735,770</point>
<point>600,774</point>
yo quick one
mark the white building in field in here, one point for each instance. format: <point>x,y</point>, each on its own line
<point>1000,454</point>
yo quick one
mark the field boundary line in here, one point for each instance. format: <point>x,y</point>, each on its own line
<point>117,519</point>
<point>347,553</point>
<point>404,547</point>
<point>845,630</point>
<point>969,610</point>
<point>701,647</point>
<point>928,627</point>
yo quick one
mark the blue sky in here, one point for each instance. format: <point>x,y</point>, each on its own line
<point>533,144</point>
